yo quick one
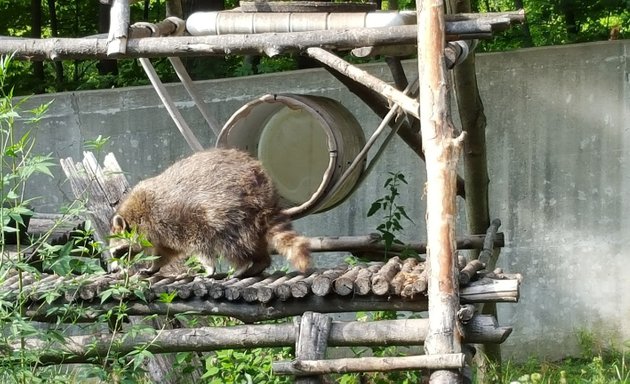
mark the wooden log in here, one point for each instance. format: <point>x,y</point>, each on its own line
<point>369,364</point>
<point>165,27</point>
<point>283,291</point>
<point>441,149</point>
<point>373,243</point>
<point>200,289</point>
<point>403,332</point>
<point>418,285</point>
<point>181,286</point>
<point>382,278</point>
<point>23,283</point>
<point>244,311</point>
<point>401,279</point>
<point>408,104</point>
<point>89,291</point>
<point>490,290</point>
<point>466,313</point>
<point>323,281</point>
<point>217,290</point>
<point>265,43</point>
<point>363,282</point>
<point>72,289</point>
<point>486,254</point>
<point>118,28</point>
<point>312,341</point>
<point>186,290</point>
<point>278,285</point>
<point>260,290</point>
<point>104,186</point>
<point>302,287</point>
<point>470,271</point>
<point>339,243</point>
<point>43,286</point>
<point>344,284</point>
<point>234,291</point>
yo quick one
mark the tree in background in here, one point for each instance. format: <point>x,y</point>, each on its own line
<point>556,22</point>
<point>550,22</point>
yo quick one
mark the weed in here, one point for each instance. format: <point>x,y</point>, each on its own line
<point>393,212</point>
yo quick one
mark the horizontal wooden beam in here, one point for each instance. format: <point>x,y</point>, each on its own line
<point>401,332</point>
<point>270,44</point>
<point>373,242</point>
<point>369,364</point>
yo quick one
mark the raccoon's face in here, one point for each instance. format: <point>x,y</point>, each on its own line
<point>120,243</point>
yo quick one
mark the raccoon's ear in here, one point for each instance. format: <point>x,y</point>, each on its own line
<point>119,224</point>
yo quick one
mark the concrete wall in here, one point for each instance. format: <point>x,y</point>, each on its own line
<point>557,130</point>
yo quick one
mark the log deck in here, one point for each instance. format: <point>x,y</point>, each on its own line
<point>396,285</point>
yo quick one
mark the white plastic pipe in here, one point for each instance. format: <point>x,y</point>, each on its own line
<point>230,22</point>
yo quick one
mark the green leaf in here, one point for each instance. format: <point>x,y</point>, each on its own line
<point>106,294</point>
<point>376,206</point>
<point>212,371</point>
<point>167,298</point>
<point>11,195</point>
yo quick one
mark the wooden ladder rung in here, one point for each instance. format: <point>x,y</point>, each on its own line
<point>369,364</point>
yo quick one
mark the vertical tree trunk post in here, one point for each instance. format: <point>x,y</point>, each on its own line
<point>441,151</point>
<point>118,28</point>
<point>476,180</point>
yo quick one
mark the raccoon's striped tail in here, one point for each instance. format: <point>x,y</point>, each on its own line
<point>289,243</point>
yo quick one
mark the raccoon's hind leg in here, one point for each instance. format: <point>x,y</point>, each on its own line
<point>208,264</point>
<point>252,266</point>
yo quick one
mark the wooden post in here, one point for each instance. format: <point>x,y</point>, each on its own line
<point>118,28</point>
<point>441,151</point>
<point>312,342</point>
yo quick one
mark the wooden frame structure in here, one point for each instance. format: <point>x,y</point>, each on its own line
<point>428,131</point>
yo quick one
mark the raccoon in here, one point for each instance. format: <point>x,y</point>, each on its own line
<point>218,202</point>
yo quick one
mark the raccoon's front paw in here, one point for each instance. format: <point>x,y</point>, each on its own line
<point>114,267</point>
<point>147,271</point>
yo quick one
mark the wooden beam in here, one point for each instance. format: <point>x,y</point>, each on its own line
<point>401,332</point>
<point>118,28</point>
<point>373,242</point>
<point>441,150</point>
<point>369,364</point>
<point>329,59</point>
<point>270,44</point>
<point>312,342</point>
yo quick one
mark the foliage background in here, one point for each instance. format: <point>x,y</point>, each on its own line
<point>549,22</point>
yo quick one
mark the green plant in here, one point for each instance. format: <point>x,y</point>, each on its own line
<point>392,216</point>
<point>22,362</point>
<point>18,162</point>
<point>393,212</point>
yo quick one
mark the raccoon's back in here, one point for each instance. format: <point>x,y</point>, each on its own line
<point>221,181</point>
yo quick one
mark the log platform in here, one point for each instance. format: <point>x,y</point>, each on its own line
<point>395,285</point>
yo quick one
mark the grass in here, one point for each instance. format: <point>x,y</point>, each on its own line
<point>604,368</point>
